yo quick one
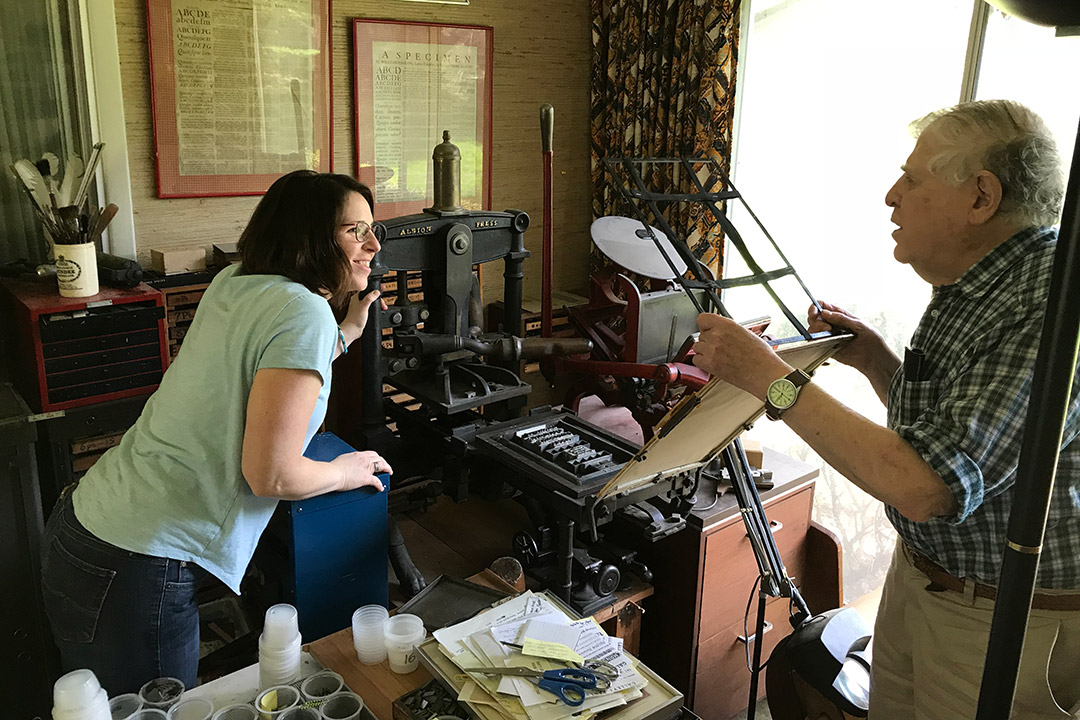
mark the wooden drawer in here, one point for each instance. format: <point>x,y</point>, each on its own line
<point>730,567</point>
<point>722,682</point>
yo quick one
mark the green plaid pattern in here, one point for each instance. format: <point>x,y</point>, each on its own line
<point>965,414</point>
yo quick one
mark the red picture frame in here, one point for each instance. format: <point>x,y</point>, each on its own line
<point>277,125</point>
<point>420,79</point>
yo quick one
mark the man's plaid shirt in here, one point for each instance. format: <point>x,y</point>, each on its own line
<point>965,415</point>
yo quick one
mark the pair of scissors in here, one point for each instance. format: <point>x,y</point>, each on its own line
<point>605,672</point>
<point>568,684</point>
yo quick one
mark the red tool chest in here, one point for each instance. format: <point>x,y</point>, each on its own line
<point>72,352</point>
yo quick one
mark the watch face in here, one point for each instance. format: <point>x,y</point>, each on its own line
<point>782,393</point>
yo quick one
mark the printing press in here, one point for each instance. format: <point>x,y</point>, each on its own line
<point>464,397</point>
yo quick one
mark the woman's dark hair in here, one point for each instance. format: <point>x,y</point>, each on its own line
<point>293,231</point>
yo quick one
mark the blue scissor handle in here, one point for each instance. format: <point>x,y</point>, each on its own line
<point>569,684</point>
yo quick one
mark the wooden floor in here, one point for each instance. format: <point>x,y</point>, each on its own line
<point>459,539</point>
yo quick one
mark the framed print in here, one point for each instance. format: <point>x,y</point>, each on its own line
<point>413,81</point>
<point>241,93</point>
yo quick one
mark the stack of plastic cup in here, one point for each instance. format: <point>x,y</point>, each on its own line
<point>149,714</point>
<point>274,702</point>
<point>279,647</point>
<point>192,709</point>
<point>161,693</point>
<point>343,706</point>
<point>368,636</point>
<point>124,706</point>
<point>402,633</point>
<point>79,696</point>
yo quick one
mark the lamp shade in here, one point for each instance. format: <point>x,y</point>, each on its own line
<point>1054,13</point>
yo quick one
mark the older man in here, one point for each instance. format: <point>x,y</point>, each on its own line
<point>973,209</point>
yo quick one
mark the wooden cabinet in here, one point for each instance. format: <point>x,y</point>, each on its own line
<point>704,577</point>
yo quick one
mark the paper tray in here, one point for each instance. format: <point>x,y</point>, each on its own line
<point>448,600</point>
<point>660,701</point>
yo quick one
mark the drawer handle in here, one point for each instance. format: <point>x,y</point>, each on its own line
<point>775,526</point>
<point>747,640</point>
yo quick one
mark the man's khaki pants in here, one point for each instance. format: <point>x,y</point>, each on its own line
<point>930,647</point>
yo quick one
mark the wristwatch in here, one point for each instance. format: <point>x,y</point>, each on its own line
<point>783,393</point>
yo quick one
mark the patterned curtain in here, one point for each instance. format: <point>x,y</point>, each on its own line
<point>663,85</point>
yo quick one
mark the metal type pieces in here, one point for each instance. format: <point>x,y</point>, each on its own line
<point>566,449</point>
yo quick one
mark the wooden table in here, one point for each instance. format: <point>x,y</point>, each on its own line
<point>380,686</point>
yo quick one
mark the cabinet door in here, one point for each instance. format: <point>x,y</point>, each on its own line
<point>730,567</point>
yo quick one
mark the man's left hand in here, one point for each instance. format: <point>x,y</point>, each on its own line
<point>734,354</point>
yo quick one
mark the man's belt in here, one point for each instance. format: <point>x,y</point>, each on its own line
<point>938,576</point>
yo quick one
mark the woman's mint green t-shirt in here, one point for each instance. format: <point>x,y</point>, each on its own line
<point>173,486</point>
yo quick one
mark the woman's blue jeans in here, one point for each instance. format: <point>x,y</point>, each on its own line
<point>126,616</point>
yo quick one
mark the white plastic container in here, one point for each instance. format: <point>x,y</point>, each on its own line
<point>79,696</point>
<point>401,635</point>
<point>281,625</point>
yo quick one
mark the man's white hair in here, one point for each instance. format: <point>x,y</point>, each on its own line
<point>1011,141</point>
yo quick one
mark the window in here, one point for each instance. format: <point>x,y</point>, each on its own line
<point>827,90</point>
<point>44,109</point>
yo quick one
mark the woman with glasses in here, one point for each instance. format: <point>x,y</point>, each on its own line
<point>192,485</point>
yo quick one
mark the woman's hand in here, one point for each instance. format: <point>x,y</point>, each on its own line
<point>356,318</point>
<point>359,469</point>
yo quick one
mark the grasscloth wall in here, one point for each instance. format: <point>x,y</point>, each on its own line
<point>542,54</point>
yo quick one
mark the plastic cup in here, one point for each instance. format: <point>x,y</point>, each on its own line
<point>301,713</point>
<point>123,706</point>
<point>343,706</point>
<point>192,709</point>
<point>273,702</point>
<point>149,714</point>
<point>280,627</point>
<point>161,693</point>
<point>237,712</point>
<point>321,685</point>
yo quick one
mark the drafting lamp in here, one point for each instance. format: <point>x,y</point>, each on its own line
<point>1045,422</point>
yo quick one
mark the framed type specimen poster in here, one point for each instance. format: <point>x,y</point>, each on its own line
<point>413,81</point>
<point>241,93</point>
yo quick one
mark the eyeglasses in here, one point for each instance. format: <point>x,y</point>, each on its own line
<point>361,231</point>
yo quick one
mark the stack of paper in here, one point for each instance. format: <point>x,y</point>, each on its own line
<point>532,632</point>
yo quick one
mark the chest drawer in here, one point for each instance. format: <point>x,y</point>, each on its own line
<point>730,568</point>
<point>722,682</point>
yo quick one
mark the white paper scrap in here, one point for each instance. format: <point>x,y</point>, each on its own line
<point>567,635</point>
